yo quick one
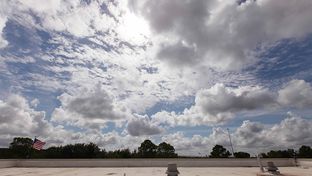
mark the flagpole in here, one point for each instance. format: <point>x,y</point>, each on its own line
<point>230,141</point>
<point>30,149</point>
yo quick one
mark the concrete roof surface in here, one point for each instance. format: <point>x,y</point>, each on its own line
<point>152,171</point>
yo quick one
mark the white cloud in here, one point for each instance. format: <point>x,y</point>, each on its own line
<point>89,109</point>
<point>219,104</point>
<point>220,99</point>
<point>65,16</point>
<point>296,93</point>
<point>17,118</point>
<point>3,42</point>
<point>292,132</point>
<point>253,137</point>
<point>85,19</point>
<point>178,140</point>
<point>221,34</point>
<point>34,103</point>
<point>197,144</point>
<point>141,126</point>
<point>73,17</point>
<point>49,6</point>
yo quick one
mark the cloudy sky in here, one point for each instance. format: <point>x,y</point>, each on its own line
<point>180,71</point>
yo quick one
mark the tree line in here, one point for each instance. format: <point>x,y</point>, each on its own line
<point>218,151</point>
<point>22,148</point>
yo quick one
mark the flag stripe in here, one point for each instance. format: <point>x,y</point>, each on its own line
<point>38,144</point>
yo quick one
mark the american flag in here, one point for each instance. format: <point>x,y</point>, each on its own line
<point>38,144</point>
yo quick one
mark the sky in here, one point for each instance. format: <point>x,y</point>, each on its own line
<point>184,72</point>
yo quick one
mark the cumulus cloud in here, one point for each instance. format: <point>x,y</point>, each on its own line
<point>17,118</point>
<point>291,132</point>
<point>222,34</point>
<point>178,140</point>
<point>96,106</point>
<point>219,104</point>
<point>251,134</point>
<point>141,125</point>
<point>253,137</point>
<point>197,144</point>
<point>91,108</point>
<point>296,93</point>
<point>220,99</point>
<point>3,42</point>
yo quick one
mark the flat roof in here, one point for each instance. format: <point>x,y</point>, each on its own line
<point>153,171</point>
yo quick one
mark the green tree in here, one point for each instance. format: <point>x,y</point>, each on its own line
<point>21,147</point>
<point>263,155</point>
<point>92,150</point>
<point>147,149</point>
<point>134,154</point>
<point>80,150</point>
<point>123,153</point>
<point>5,153</point>
<point>53,152</point>
<point>165,150</point>
<point>218,151</point>
<point>241,155</point>
<point>281,153</point>
<point>305,152</point>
